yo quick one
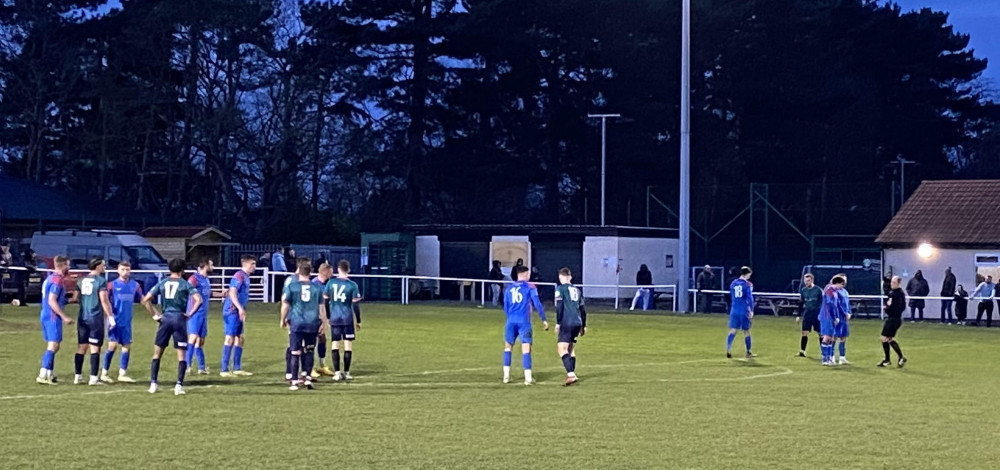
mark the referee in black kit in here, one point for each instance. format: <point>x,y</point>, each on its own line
<point>894,319</point>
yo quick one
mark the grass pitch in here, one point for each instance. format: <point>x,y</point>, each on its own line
<point>655,392</point>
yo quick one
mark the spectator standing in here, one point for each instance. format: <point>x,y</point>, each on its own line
<point>278,265</point>
<point>643,278</point>
<point>947,290</point>
<point>6,257</point>
<point>984,292</point>
<point>961,304</point>
<point>319,261</point>
<point>290,260</point>
<point>278,262</point>
<point>706,281</point>
<point>264,261</point>
<point>496,274</point>
<point>917,287</point>
<point>28,261</point>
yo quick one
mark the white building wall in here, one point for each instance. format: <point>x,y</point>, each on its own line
<point>603,255</point>
<point>600,261</point>
<point>652,252</point>
<point>906,262</point>
<point>428,262</point>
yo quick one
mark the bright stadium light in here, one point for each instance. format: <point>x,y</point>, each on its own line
<point>925,250</point>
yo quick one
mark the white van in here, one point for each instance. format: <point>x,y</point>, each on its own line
<point>81,246</point>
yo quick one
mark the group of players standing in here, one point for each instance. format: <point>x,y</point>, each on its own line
<point>106,308</point>
<point>826,311</point>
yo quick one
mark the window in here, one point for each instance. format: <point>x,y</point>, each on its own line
<point>144,255</point>
<point>80,255</point>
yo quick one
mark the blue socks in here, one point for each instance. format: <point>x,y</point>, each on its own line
<point>826,350</point>
<point>189,354</point>
<point>124,361</point>
<point>48,360</point>
<point>843,349</point>
<point>506,358</point>
<point>227,351</point>
<point>237,358</point>
<point>526,361</point>
<point>747,341</point>
<point>729,341</point>
<point>200,354</point>
<point>108,356</point>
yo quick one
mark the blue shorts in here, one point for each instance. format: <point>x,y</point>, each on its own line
<point>826,328</point>
<point>568,334</point>
<point>90,332</point>
<point>198,325</point>
<point>810,323</point>
<point>514,330</point>
<point>299,340</point>
<point>234,327</point>
<point>739,322</point>
<point>121,333</point>
<point>172,327</point>
<point>342,332</point>
<point>52,330</point>
<point>842,330</point>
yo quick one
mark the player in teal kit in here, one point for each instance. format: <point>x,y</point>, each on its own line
<point>304,314</point>
<point>124,293</point>
<point>517,301</point>
<point>177,310</point>
<point>343,296</point>
<point>571,322</point>
<point>53,318</point>
<point>95,310</point>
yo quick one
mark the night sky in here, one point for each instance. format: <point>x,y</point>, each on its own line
<point>978,18</point>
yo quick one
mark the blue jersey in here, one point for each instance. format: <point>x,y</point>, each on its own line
<point>53,285</point>
<point>124,296</point>
<point>517,300</point>
<point>835,306</point>
<point>741,292</point>
<point>845,304</point>
<point>204,288</point>
<point>240,282</point>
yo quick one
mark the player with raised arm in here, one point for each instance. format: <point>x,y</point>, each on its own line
<point>197,325</point>
<point>95,310</point>
<point>517,301</point>
<point>811,299</point>
<point>124,293</point>
<point>343,296</point>
<point>304,314</point>
<point>830,316</point>
<point>842,329</point>
<point>180,301</point>
<point>234,316</point>
<point>53,318</point>
<point>894,308</point>
<point>325,273</point>
<point>571,322</point>
<point>741,311</point>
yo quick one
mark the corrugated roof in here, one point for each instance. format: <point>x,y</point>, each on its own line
<point>26,200</point>
<point>948,213</point>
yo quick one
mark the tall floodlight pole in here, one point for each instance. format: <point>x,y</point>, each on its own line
<point>604,155</point>
<point>902,178</point>
<point>684,224</point>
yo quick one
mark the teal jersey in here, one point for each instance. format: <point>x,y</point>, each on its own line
<point>812,300</point>
<point>175,292</point>
<point>303,298</point>
<point>568,300</point>
<point>90,288</point>
<point>341,293</point>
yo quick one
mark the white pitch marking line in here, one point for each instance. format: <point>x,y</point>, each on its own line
<point>589,366</point>
<point>102,392</point>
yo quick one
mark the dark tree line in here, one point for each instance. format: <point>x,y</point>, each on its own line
<point>278,117</point>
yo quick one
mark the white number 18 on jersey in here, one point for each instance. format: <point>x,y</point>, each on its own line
<point>738,292</point>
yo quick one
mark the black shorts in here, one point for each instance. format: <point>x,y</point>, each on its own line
<point>90,331</point>
<point>568,334</point>
<point>342,332</point>
<point>175,327</point>
<point>299,340</point>
<point>810,323</point>
<point>891,327</point>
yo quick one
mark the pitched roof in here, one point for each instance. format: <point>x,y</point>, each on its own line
<point>182,232</point>
<point>948,213</point>
<point>26,200</point>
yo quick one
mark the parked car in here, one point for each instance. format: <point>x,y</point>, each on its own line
<point>81,246</point>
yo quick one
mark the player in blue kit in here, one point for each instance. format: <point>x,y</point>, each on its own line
<point>234,315</point>
<point>124,293</point>
<point>344,297</point>
<point>830,316</point>
<point>53,318</point>
<point>180,301</point>
<point>517,301</point>
<point>842,329</point>
<point>197,325</point>
<point>304,314</point>
<point>95,312</point>
<point>741,311</point>
<point>571,322</point>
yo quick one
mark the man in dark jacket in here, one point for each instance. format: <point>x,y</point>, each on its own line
<point>917,287</point>
<point>643,278</point>
<point>496,274</point>
<point>947,290</point>
<point>705,281</point>
<point>894,320</point>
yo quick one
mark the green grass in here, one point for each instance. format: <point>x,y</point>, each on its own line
<point>655,393</point>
